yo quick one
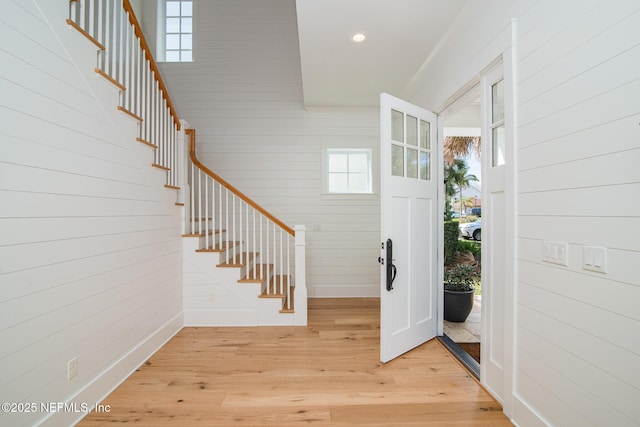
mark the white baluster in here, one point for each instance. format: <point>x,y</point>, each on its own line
<point>193,198</point>
<point>261,247</point>
<point>288,273</point>
<point>220,233</point>
<point>268,252</point>
<point>226,221</point>
<point>255,255</point>
<point>199,217</point>
<point>206,212</point>
<point>281,261</point>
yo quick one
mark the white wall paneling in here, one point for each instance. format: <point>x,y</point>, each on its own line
<point>243,94</point>
<point>90,248</point>
<point>576,86</point>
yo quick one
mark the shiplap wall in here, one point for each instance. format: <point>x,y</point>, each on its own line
<point>90,251</point>
<point>578,88</point>
<point>578,146</point>
<point>243,95</point>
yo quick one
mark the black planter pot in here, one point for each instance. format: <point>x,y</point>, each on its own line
<point>458,305</point>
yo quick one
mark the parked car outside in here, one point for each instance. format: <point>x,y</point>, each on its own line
<point>476,212</point>
<point>471,230</point>
<point>457,214</point>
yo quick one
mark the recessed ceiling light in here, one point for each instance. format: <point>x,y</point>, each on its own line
<point>358,37</point>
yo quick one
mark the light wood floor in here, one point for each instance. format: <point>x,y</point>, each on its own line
<point>328,373</point>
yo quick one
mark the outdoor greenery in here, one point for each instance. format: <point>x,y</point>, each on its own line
<point>450,241</point>
<point>468,218</point>
<point>460,278</point>
<point>460,146</point>
<point>471,246</point>
<point>457,177</point>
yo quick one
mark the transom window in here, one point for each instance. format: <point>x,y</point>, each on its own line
<point>349,171</point>
<point>177,40</point>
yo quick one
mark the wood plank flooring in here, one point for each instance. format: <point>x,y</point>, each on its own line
<point>328,373</point>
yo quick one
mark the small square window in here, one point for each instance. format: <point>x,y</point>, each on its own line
<point>349,171</point>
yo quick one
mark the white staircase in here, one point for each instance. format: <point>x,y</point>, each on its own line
<point>242,265</point>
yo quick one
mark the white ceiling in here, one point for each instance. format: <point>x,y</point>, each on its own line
<point>400,36</point>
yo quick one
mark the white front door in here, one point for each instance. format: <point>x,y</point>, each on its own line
<point>409,226</point>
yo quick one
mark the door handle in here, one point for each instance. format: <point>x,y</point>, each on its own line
<point>392,271</point>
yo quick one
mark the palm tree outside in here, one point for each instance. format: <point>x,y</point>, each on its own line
<point>457,175</point>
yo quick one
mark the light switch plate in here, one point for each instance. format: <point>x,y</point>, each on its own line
<point>555,253</point>
<point>594,258</point>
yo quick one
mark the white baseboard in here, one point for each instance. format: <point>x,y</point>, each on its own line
<point>524,415</point>
<point>114,375</point>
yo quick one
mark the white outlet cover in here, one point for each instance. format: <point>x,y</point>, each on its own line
<point>72,368</point>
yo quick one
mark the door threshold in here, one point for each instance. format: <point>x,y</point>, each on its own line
<point>468,362</point>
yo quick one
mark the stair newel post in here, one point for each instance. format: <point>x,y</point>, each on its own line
<point>213,212</point>
<point>300,275</point>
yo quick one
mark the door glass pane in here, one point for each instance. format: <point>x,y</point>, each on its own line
<point>498,143</point>
<point>397,126</point>
<point>425,135</point>
<point>497,102</point>
<point>425,166</point>
<point>412,163</point>
<point>186,55</point>
<point>397,161</point>
<point>412,130</point>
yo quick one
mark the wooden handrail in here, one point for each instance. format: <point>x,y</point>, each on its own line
<point>234,190</point>
<point>147,53</point>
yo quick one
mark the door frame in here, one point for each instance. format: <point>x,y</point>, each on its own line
<point>506,63</point>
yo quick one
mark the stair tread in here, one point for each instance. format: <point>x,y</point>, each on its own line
<point>253,276</point>
<point>239,261</point>
<point>274,290</point>
<point>217,248</point>
<point>201,234</point>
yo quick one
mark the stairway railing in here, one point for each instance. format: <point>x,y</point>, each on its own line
<point>231,222</point>
<point>124,58</point>
<point>227,218</point>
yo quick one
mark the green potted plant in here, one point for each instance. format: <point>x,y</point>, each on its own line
<point>459,289</point>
